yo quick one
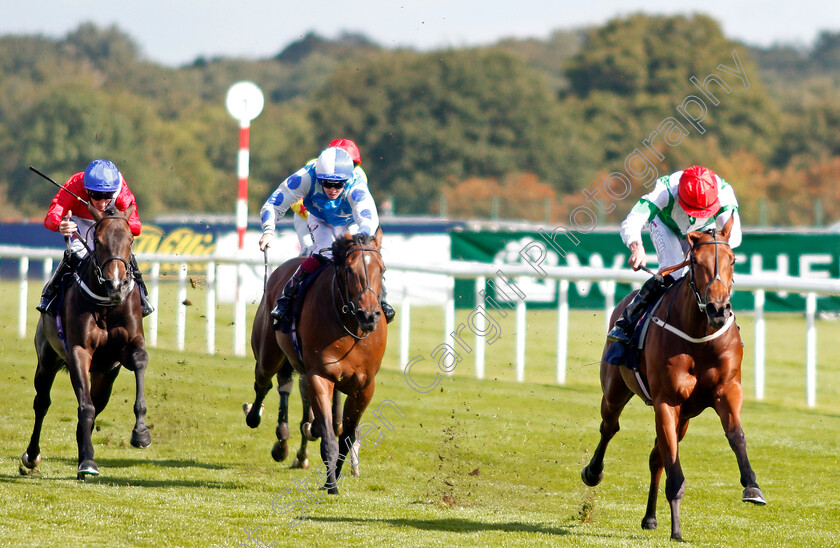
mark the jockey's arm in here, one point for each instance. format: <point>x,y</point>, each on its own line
<point>287,193</point>
<point>365,214</point>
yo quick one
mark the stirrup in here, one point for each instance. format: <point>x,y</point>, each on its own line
<point>45,305</point>
<point>146,307</point>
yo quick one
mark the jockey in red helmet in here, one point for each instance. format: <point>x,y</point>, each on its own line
<point>101,184</point>
<point>682,202</point>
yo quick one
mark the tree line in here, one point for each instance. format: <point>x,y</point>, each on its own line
<point>525,125</point>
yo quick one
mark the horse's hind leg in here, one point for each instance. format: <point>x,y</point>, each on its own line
<point>615,398</point>
<point>48,366</point>
<point>101,385</point>
<point>306,420</point>
<point>338,414</point>
<point>728,407</point>
<point>284,388</point>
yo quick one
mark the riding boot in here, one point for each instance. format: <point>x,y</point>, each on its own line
<point>284,302</point>
<point>49,302</point>
<point>387,309</point>
<point>144,293</point>
<point>652,289</point>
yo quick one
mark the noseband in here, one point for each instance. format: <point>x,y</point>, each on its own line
<point>348,305</point>
<point>703,301</point>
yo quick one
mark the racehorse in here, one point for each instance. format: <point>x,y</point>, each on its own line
<point>342,336</point>
<point>102,328</point>
<point>690,361</point>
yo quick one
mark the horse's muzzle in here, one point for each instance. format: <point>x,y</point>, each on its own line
<point>718,313</point>
<point>368,319</point>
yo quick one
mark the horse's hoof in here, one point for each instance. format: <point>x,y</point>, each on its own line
<point>30,463</point>
<point>676,536</point>
<point>87,468</point>
<point>252,419</point>
<point>298,463</point>
<point>588,478</point>
<point>354,470</point>
<point>754,495</point>
<point>141,439</point>
<point>306,431</point>
<point>280,451</point>
<point>649,523</point>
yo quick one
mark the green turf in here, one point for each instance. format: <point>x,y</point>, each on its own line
<point>472,463</point>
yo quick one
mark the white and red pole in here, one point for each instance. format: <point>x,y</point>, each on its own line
<point>243,161</point>
<point>244,102</point>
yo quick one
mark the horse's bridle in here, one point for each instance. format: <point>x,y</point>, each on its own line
<point>348,306</point>
<point>703,301</point>
<point>98,266</point>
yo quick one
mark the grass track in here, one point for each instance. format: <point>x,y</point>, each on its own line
<point>207,479</point>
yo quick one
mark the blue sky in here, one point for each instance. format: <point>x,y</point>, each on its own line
<point>175,32</point>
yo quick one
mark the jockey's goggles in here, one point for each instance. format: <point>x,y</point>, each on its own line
<point>326,183</point>
<point>98,195</point>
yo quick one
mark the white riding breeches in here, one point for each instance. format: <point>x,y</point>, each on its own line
<point>670,248</point>
<point>323,234</point>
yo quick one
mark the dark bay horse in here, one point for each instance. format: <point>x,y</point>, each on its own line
<point>103,328</point>
<point>690,363</point>
<point>342,335</point>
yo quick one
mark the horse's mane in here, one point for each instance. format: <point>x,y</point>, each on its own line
<point>341,246</point>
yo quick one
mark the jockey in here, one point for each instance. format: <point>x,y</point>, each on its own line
<point>685,201</point>
<point>301,214</point>
<point>101,184</point>
<point>337,201</point>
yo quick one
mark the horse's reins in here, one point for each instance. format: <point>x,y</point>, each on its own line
<point>348,306</point>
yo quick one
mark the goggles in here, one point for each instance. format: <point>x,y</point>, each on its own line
<point>98,195</point>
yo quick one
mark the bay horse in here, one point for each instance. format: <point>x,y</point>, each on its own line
<point>691,360</point>
<point>102,328</point>
<point>342,336</point>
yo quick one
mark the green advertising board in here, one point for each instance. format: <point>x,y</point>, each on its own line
<point>784,253</point>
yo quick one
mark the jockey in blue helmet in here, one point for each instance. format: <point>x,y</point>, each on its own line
<point>338,201</point>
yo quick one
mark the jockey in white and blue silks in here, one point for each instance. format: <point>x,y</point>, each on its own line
<point>337,201</point>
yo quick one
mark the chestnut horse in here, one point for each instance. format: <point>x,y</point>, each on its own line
<point>102,329</point>
<point>342,336</point>
<point>691,360</point>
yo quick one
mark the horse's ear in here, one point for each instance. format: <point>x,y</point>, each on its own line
<point>128,212</point>
<point>95,213</point>
<point>727,228</point>
<point>692,237</point>
<point>377,237</point>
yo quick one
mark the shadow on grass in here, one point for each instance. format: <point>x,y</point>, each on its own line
<point>454,525</point>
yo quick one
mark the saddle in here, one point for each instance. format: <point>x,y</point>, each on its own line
<point>628,354</point>
<point>287,324</point>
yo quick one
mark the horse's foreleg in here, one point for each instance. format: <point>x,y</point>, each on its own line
<point>138,360</point>
<point>306,419</point>
<point>320,396</point>
<point>79,367</point>
<point>728,407</point>
<point>615,398</point>
<point>667,440</point>
<point>354,406</point>
<point>44,377</point>
<point>656,467</point>
<point>281,447</point>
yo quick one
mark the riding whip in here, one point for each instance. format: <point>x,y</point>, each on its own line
<point>48,178</point>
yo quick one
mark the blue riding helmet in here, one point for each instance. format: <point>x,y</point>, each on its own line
<point>102,176</point>
<point>334,164</point>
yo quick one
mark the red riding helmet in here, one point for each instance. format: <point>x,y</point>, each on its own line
<point>698,192</point>
<point>350,147</point>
